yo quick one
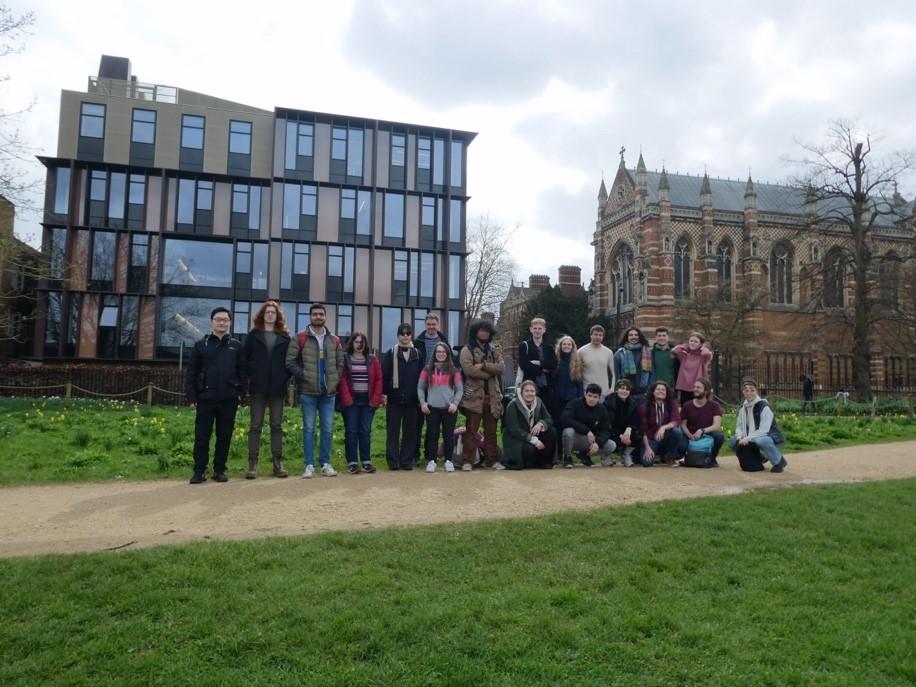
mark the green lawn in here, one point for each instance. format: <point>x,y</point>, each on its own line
<point>800,586</point>
<point>65,441</point>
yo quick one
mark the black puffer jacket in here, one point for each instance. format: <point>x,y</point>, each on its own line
<point>216,370</point>
<point>267,373</point>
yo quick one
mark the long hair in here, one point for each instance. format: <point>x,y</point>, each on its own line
<point>642,337</point>
<point>353,336</point>
<point>258,319</point>
<point>669,393</point>
<point>575,362</point>
<point>449,364</point>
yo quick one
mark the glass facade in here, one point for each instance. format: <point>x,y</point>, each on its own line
<point>192,132</point>
<point>197,263</point>
<point>143,127</point>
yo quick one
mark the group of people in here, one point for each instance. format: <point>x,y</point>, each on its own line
<point>590,403</point>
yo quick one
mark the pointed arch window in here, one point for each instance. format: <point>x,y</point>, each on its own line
<point>622,276</point>
<point>889,280</point>
<point>780,274</point>
<point>724,271</point>
<point>835,279</point>
<point>682,270</point>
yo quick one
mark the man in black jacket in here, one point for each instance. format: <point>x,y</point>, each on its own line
<point>623,414</point>
<point>587,429</point>
<point>400,375</point>
<point>215,382</point>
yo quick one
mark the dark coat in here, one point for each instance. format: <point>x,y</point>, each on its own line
<point>408,377</point>
<point>516,432</point>
<point>584,419</point>
<point>267,373</point>
<point>528,352</point>
<point>623,414</point>
<point>216,370</point>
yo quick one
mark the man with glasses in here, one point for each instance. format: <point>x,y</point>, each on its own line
<point>314,358</point>
<point>400,376</point>
<point>216,380</point>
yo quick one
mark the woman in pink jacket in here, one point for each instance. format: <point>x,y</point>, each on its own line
<point>694,357</point>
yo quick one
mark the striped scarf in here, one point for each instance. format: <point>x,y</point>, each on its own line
<point>629,362</point>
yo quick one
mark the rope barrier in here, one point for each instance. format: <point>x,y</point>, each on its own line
<point>33,388</point>
<point>167,391</point>
<point>96,393</point>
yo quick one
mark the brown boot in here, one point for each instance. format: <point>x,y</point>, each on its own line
<point>252,469</point>
<point>278,468</point>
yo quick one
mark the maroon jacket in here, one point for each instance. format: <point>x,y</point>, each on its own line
<point>649,421</point>
<point>345,386</point>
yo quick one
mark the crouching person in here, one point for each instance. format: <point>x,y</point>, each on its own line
<point>587,429</point>
<point>215,382</point>
<point>529,440</point>
<point>757,436</point>
<point>660,419</point>
<point>623,413</point>
<point>702,417</point>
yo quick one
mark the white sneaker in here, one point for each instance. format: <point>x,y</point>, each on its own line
<point>328,471</point>
<point>431,466</point>
<point>498,466</point>
<point>449,466</point>
<point>467,467</point>
<point>309,472</point>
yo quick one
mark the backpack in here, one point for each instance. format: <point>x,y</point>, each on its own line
<point>699,452</point>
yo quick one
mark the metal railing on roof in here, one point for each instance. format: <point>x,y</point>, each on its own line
<point>133,89</point>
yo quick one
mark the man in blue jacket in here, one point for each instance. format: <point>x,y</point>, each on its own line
<point>215,383</point>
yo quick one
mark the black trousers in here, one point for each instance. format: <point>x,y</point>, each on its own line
<point>222,413</point>
<point>540,459</point>
<point>439,419</point>
<point>401,425</point>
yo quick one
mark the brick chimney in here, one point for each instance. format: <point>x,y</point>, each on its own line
<point>570,279</point>
<point>538,281</point>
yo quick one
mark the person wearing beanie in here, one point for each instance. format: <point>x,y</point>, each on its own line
<point>757,433</point>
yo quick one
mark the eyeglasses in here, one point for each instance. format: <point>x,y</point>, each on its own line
<point>403,333</point>
<point>221,319</point>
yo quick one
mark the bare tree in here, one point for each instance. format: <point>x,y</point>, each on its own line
<point>16,156</point>
<point>857,205</point>
<point>490,267</point>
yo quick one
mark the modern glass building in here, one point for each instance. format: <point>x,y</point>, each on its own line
<point>163,203</point>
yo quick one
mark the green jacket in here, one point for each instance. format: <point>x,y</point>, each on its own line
<point>302,362</point>
<point>516,432</point>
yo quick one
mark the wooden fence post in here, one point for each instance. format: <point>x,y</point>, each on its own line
<point>149,394</point>
<point>68,389</point>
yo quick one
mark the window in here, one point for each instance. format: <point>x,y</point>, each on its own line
<point>130,316</point>
<point>430,221</point>
<point>419,321</point>
<point>302,316</point>
<point>682,270</point>
<point>137,272</point>
<point>835,279</point>
<point>456,175</point>
<point>58,253</point>
<point>183,321</point>
<point>102,271</point>
<point>62,191</point>
<point>398,150</point>
<point>622,277</point>
<point>780,275</point>
<point>889,280</point>
<point>239,137</point>
<point>300,209</point>
<point>246,208</point>
<point>340,272</point>
<point>117,197</point>
<point>355,213</point>
<point>391,319</point>
<point>400,274</point>
<point>198,264</point>
<point>241,318</point>
<point>355,153</point>
<point>143,127</point>
<point>92,120</point>
<point>427,277</point>
<point>107,332</point>
<point>455,225</point>
<point>136,201</point>
<point>98,192</point>
<point>438,164</point>
<point>192,132</point>
<point>454,277</point>
<point>300,142</point>
<point>424,152</point>
<point>724,271</point>
<point>344,320</point>
<point>346,155</point>
<point>454,325</point>
<point>394,217</point>
<point>250,267</point>
<point>338,143</point>
<point>294,268</point>
<point>195,203</point>
<point>53,323</point>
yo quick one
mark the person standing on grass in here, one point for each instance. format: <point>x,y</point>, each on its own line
<point>597,361</point>
<point>587,429</point>
<point>482,367</point>
<point>756,432</point>
<point>265,358</point>
<point>528,435</point>
<point>537,359</point>
<point>215,382</point>
<point>702,416</point>
<point>694,356</point>
<point>623,414</point>
<point>807,393</point>
<point>314,358</point>
<point>440,390</point>
<point>424,344</point>
<point>664,363</point>
<point>660,424</point>
<point>400,376</point>
<point>633,362</point>
<point>360,393</point>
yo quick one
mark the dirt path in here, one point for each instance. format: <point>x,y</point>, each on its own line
<point>127,515</point>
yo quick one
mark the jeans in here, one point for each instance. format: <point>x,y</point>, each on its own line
<point>323,406</point>
<point>258,404</point>
<point>763,444</point>
<point>358,429</point>
<point>672,444</point>
<point>222,413</point>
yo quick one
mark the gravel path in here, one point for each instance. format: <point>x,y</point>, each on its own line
<point>128,515</point>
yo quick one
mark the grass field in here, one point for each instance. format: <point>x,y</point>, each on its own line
<point>66,441</point>
<point>801,586</point>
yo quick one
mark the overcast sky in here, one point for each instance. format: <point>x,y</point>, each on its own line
<point>554,88</point>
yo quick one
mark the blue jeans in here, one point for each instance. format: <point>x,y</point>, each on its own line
<point>323,406</point>
<point>672,443</point>
<point>765,444</point>
<point>358,429</point>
